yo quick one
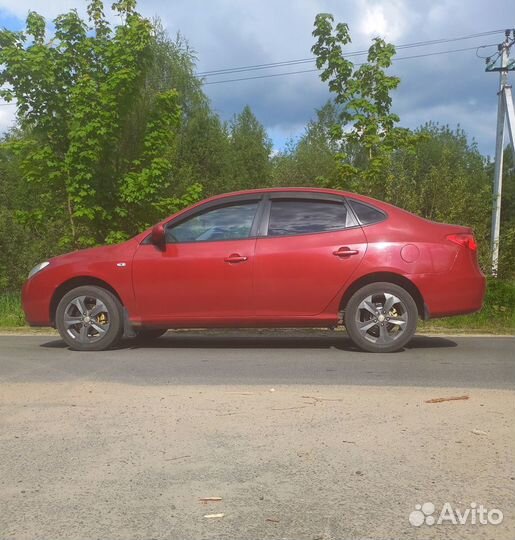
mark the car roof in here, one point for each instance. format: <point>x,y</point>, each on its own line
<point>388,208</point>
<point>327,191</point>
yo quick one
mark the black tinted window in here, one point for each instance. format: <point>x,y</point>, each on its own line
<point>289,217</point>
<point>224,223</point>
<point>366,214</point>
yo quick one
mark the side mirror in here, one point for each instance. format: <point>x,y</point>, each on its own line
<point>159,237</point>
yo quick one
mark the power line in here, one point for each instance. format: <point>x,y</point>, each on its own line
<point>256,67</point>
<point>266,76</point>
<point>484,47</point>
<point>395,59</point>
<point>436,53</point>
<point>355,53</point>
<point>272,75</point>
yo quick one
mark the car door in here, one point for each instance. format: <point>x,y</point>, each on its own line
<point>309,246</point>
<point>205,272</point>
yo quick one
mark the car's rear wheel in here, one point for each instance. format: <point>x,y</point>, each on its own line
<point>89,318</point>
<point>381,317</point>
<point>149,334</point>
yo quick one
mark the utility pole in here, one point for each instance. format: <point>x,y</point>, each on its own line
<point>504,111</point>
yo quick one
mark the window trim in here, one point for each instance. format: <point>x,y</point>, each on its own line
<point>380,210</point>
<point>214,205</point>
<point>259,228</point>
<point>309,196</point>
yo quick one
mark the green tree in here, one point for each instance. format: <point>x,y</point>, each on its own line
<point>508,188</point>
<point>203,155</point>
<point>250,149</point>
<point>507,232</point>
<point>444,178</point>
<point>76,95</point>
<point>172,65</point>
<point>20,244</point>
<point>311,159</point>
<point>367,126</point>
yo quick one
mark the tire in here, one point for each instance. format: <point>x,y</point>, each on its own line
<point>381,317</point>
<point>89,318</point>
<point>148,334</point>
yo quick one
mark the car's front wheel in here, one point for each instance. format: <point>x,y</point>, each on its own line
<point>381,317</point>
<point>89,318</point>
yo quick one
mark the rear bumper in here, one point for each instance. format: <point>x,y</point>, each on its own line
<point>451,294</point>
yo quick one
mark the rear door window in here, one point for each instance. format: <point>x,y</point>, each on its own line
<point>294,217</point>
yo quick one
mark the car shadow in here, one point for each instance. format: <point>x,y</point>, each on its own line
<point>259,340</point>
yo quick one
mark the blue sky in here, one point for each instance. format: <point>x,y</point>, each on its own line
<point>449,88</point>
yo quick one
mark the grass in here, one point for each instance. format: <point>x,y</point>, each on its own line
<point>468,324</point>
<point>11,314</point>
<point>496,317</point>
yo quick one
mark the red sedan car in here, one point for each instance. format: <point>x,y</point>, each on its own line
<point>264,258</point>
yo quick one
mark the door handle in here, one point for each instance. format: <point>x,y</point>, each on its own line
<point>235,258</point>
<point>345,252</point>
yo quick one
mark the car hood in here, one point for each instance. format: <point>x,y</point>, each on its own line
<point>97,254</point>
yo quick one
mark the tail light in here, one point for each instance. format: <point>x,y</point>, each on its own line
<point>466,240</point>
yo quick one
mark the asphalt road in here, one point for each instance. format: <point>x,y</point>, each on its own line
<point>296,434</point>
<point>269,358</point>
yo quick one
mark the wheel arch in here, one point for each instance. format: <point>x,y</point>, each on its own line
<point>74,282</point>
<point>389,277</point>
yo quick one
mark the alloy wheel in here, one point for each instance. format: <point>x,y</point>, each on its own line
<point>86,319</point>
<point>382,318</point>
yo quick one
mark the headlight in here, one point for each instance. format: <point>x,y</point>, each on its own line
<point>38,268</point>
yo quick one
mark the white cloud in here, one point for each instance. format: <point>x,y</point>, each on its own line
<point>386,20</point>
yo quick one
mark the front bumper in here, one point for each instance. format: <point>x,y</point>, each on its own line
<point>36,296</point>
